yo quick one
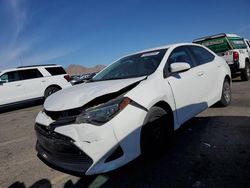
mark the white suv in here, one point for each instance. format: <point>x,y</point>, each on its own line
<point>31,83</point>
<point>130,107</point>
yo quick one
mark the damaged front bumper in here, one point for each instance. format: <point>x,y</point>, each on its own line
<point>89,149</point>
<point>59,150</point>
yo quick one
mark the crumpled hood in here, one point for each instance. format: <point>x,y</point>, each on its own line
<point>79,95</point>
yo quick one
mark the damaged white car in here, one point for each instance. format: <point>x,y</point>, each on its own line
<point>131,107</point>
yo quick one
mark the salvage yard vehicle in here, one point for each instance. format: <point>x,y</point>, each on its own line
<point>233,49</point>
<point>131,107</point>
<point>28,83</point>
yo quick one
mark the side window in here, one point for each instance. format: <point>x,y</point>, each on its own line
<point>55,70</point>
<point>180,54</point>
<point>201,55</point>
<point>30,74</point>
<point>10,76</point>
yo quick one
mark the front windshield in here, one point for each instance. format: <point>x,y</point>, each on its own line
<point>137,65</point>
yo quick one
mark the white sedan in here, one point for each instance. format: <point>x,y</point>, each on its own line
<point>130,108</point>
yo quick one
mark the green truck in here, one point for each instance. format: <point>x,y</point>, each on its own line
<point>232,48</point>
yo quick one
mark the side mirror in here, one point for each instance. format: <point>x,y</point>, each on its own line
<point>179,67</point>
<point>2,82</point>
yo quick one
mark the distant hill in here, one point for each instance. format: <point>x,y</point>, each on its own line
<point>78,69</point>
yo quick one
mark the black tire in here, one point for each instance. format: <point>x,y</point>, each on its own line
<point>245,73</point>
<point>156,132</point>
<point>226,95</point>
<point>50,90</point>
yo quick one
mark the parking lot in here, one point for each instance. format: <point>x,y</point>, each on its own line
<point>210,150</point>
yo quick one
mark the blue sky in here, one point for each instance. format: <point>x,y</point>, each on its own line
<point>91,32</point>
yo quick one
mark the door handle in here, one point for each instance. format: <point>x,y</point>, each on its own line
<point>201,73</point>
<point>18,85</point>
<point>43,80</point>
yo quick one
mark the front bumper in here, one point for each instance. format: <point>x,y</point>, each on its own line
<point>95,147</point>
<point>59,150</point>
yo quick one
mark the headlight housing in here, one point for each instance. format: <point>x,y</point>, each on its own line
<point>102,113</point>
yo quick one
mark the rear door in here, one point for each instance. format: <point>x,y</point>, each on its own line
<point>11,88</point>
<point>186,85</point>
<point>33,82</point>
<point>211,78</point>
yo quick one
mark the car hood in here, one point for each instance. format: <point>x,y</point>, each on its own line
<point>79,95</point>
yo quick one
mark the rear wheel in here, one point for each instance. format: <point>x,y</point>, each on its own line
<point>226,94</point>
<point>245,73</point>
<point>156,132</point>
<point>49,91</point>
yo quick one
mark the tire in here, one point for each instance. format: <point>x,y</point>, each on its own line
<point>50,90</point>
<point>245,73</point>
<point>226,95</point>
<point>156,133</point>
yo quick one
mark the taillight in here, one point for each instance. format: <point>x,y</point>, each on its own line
<point>67,77</point>
<point>235,56</point>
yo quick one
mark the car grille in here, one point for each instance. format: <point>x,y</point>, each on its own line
<point>55,115</point>
<point>59,148</point>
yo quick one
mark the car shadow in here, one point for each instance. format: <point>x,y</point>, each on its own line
<point>205,152</point>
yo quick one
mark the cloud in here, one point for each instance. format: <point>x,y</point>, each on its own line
<point>19,15</point>
<point>22,48</point>
<point>47,56</point>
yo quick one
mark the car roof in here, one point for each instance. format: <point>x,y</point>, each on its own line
<point>165,47</point>
<point>30,67</point>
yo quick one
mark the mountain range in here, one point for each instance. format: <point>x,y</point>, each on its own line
<point>74,69</point>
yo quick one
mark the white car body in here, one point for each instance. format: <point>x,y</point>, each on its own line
<point>22,89</point>
<point>186,93</point>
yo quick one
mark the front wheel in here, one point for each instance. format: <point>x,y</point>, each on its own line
<point>245,73</point>
<point>226,94</point>
<point>156,131</point>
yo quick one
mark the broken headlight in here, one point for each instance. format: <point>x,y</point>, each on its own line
<point>102,113</point>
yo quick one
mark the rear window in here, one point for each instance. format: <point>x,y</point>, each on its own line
<point>55,70</point>
<point>237,43</point>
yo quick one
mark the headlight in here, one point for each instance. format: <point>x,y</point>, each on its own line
<point>102,113</point>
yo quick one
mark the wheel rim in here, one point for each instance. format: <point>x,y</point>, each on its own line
<point>227,92</point>
<point>248,71</point>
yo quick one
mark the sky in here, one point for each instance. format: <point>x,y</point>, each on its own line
<point>91,32</point>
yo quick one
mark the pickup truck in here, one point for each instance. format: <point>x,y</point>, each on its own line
<point>233,48</point>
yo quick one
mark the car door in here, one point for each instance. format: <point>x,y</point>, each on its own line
<point>185,85</point>
<point>211,78</point>
<point>11,88</point>
<point>33,82</point>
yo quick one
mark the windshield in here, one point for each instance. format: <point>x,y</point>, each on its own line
<point>137,65</point>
